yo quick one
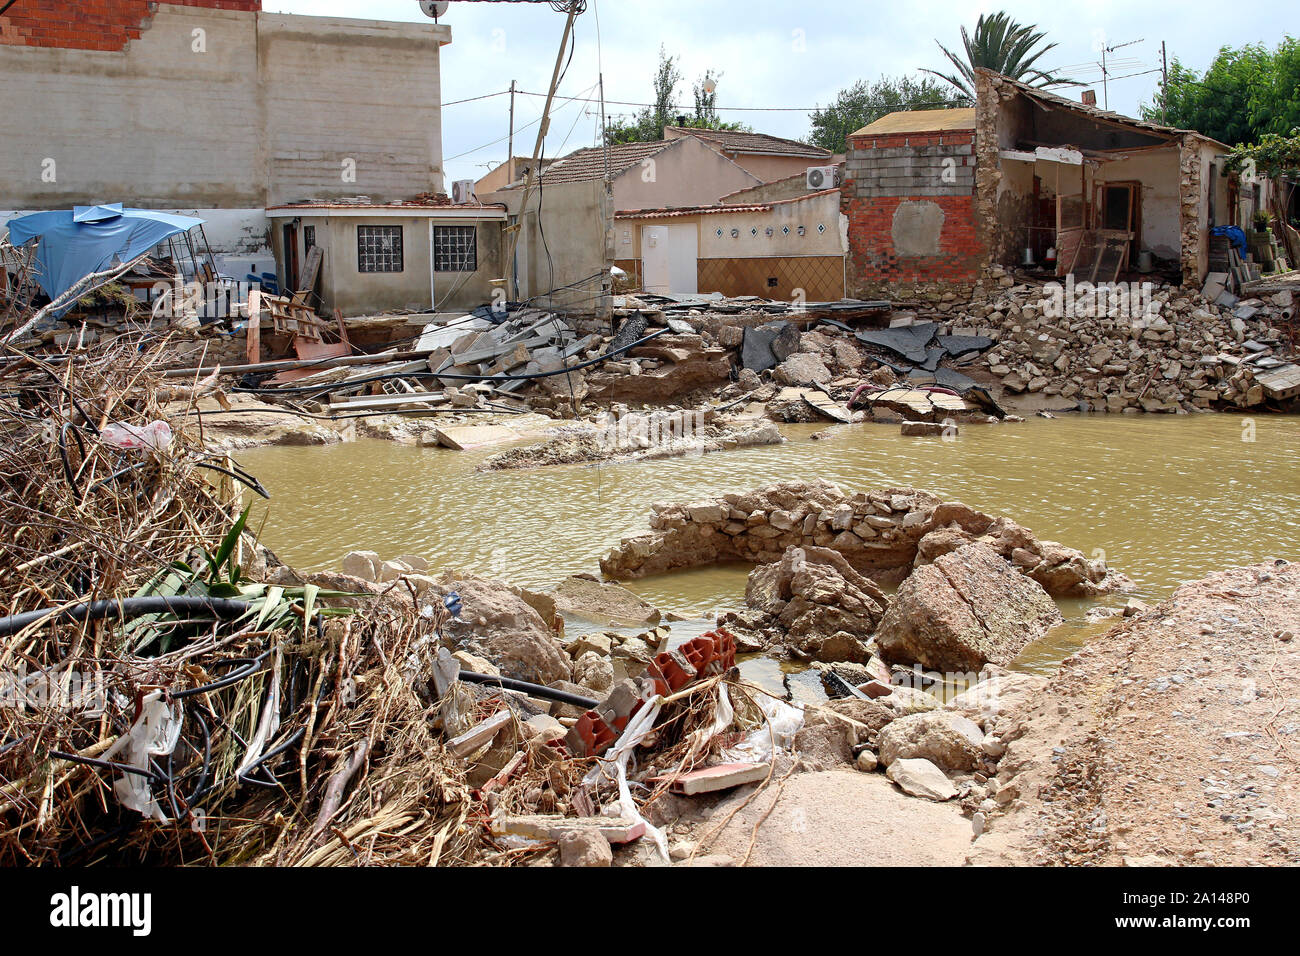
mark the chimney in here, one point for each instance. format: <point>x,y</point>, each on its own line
<point>1088,97</point>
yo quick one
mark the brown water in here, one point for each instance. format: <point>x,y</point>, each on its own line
<point>1166,499</point>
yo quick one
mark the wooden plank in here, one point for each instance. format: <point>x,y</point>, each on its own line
<point>310,270</point>
<point>389,401</point>
<point>253,332</point>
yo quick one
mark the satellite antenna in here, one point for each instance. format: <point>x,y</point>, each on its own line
<point>434,8</point>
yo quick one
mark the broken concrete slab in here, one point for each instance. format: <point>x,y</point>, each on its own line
<point>550,827</point>
<point>908,341</point>
<point>462,437</point>
<point>712,779</point>
<point>610,604</point>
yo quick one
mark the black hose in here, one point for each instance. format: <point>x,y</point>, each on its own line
<point>532,690</point>
<point>122,607</point>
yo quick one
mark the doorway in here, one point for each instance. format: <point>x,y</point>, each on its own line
<point>289,280</point>
<point>668,258</point>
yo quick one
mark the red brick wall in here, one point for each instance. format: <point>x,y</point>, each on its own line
<point>874,260</point>
<point>91,24</point>
<point>870,206</point>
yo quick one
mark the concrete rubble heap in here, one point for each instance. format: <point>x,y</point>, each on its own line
<point>1187,352</point>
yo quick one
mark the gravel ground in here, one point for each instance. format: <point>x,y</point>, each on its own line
<point>1170,740</point>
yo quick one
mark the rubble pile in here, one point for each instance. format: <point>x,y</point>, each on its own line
<point>1186,353</point>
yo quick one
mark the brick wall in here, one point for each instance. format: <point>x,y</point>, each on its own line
<point>916,170</point>
<point>106,25</point>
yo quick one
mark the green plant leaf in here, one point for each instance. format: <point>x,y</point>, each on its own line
<point>227,548</point>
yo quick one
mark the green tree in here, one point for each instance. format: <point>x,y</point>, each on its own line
<point>647,126</point>
<point>1217,102</point>
<point>1245,94</point>
<point>1004,46</point>
<point>864,103</point>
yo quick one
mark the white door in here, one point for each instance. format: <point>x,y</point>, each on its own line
<point>668,256</point>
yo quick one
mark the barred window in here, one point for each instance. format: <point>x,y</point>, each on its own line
<point>308,237</point>
<point>455,249</point>
<point>379,248</point>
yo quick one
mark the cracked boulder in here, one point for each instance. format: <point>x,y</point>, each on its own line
<point>968,608</point>
<point>818,604</point>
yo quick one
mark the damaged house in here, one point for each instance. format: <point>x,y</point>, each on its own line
<point>216,110</point>
<point>700,211</point>
<point>1030,179</point>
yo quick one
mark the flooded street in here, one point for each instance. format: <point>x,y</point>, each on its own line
<point>1166,499</point>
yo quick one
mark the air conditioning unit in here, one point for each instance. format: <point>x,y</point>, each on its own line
<point>822,177</point>
<point>462,192</point>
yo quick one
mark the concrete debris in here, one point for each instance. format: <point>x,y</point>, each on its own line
<point>918,777</point>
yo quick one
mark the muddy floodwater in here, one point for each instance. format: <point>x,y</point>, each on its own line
<point>1166,499</point>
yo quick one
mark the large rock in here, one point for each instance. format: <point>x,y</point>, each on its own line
<point>505,629</point>
<point>948,740</point>
<point>606,604</point>
<point>803,368</point>
<point>825,609</point>
<point>920,778</point>
<point>966,609</point>
<point>1000,694</point>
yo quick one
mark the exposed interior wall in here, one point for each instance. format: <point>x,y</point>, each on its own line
<point>1157,171</point>
<point>1166,223</point>
<point>909,201</point>
<point>223,109</point>
<point>686,174</point>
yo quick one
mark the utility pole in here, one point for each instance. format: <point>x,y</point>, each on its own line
<point>1164,85</point>
<point>510,146</point>
<point>512,284</point>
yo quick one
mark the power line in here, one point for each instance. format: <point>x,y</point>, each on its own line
<point>734,109</point>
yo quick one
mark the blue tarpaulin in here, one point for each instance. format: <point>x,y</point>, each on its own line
<point>85,239</point>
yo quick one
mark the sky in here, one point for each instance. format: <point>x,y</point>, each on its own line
<point>777,61</point>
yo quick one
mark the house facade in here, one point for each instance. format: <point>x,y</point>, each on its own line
<point>791,249</point>
<point>215,109</point>
<point>387,257</point>
<point>567,244</point>
<point>938,196</point>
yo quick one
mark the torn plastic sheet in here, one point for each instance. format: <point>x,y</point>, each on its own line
<point>123,436</point>
<point>640,726</point>
<point>781,721</point>
<point>154,734</point>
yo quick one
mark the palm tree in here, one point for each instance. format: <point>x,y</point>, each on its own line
<point>1003,46</point>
